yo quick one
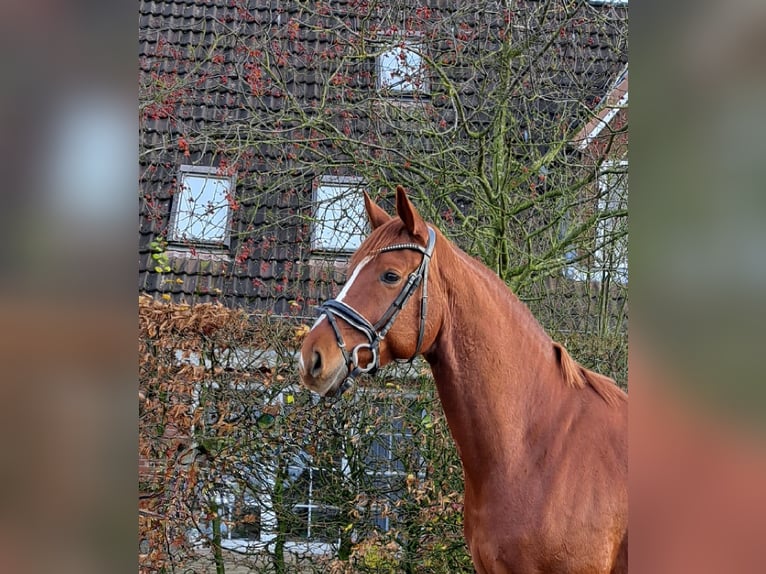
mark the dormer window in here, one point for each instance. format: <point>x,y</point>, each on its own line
<point>201,204</point>
<point>339,216</point>
<point>401,69</point>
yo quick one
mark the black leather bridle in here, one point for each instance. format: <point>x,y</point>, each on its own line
<point>377,332</point>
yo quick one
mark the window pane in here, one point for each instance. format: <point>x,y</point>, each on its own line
<point>202,210</point>
<point>401,70</point>
<point>379,456</point>
<point>314,524</point>
<point>310,493</point>
<point>340,219</point>
<point>246,522</point>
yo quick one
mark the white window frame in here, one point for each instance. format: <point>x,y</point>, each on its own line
<point>339,221</point>
<point>215,213</point>
<point>407,78</point>
<point>269,521</point>
<point>608,261</point>
<point>226,495</point>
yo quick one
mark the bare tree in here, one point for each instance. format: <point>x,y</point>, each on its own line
<point>474,108</point>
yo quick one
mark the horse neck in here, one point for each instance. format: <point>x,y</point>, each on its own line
<point>494,367</point>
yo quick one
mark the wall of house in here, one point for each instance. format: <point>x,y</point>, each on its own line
<point>283,93</point>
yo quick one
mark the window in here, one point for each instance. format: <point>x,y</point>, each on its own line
<point>312,477</point>
<point>246,495</point>
<point>340,223</point>
<point>401,70</point>
<point>240,516</point>
<point>297,486</point>
<point>308,488</point>
<point>611,255</point>
<point>609,259</point>
<point>392,454</point>
<point>200,211</point>
<point>238,493</point>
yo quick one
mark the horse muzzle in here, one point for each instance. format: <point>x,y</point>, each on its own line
<point>322,366</point>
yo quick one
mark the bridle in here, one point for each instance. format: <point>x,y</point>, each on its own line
<point>334,308</point>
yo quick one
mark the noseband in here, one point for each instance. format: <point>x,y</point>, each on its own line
<point>377,332</point>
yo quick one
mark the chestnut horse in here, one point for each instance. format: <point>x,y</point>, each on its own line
<point>543,441</point>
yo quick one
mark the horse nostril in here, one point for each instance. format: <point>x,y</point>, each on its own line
<point>316,364</point>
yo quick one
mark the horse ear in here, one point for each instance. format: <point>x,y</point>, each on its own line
<point>410,216</point>
<point>375,214</point>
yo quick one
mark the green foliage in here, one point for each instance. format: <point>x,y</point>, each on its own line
<point>160,256</point>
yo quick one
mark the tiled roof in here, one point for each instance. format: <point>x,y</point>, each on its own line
<point>193,62</point>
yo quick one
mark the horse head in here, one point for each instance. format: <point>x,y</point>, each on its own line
<point>382,313</point>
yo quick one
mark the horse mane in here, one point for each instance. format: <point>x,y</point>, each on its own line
<point>578,377</point>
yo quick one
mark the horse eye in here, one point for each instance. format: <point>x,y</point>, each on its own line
<point>390,277</point>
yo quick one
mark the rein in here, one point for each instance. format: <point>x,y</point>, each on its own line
<point>377,332</point>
